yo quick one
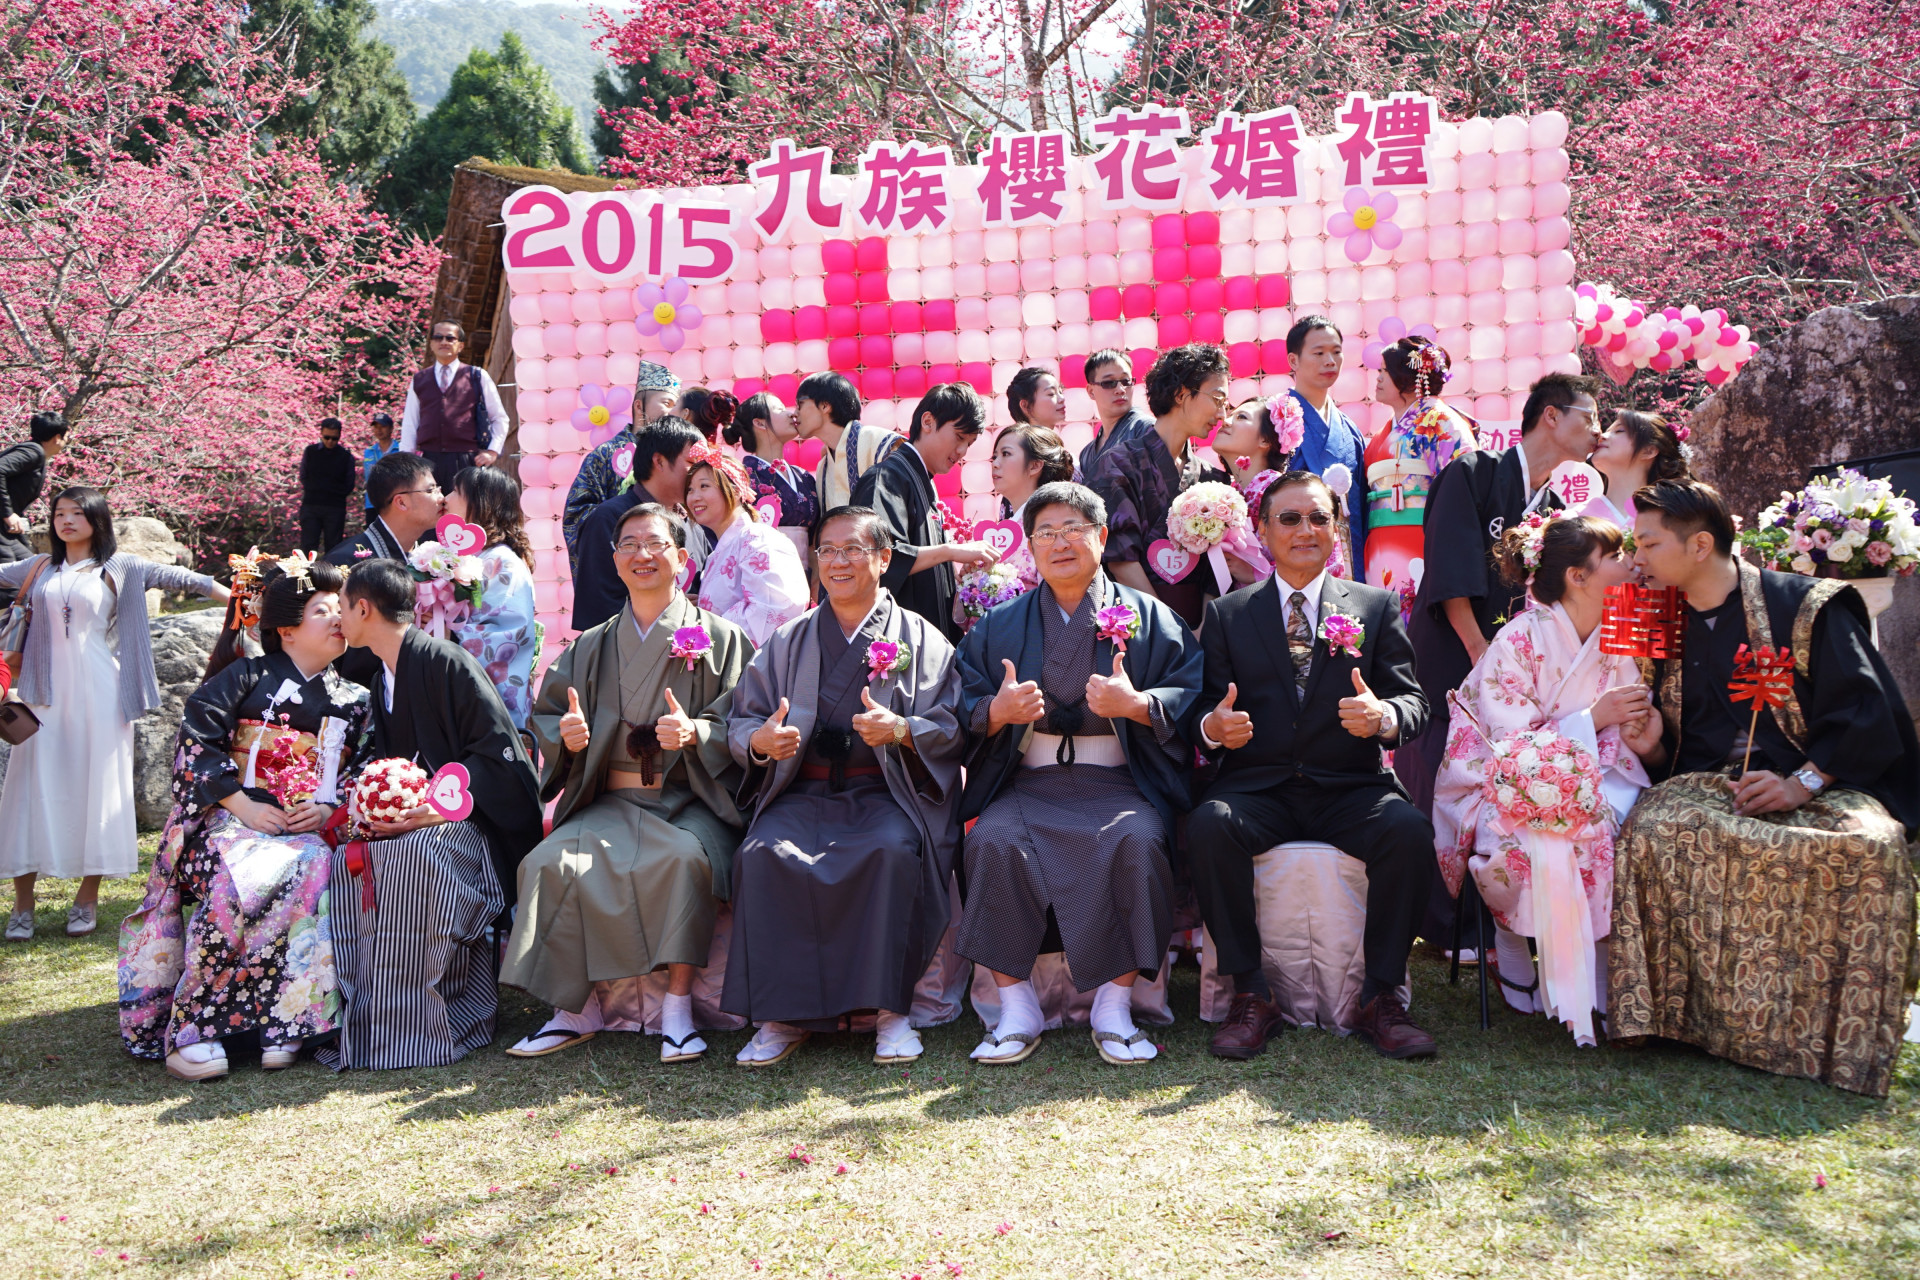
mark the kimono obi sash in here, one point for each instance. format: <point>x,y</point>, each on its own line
<point>285,761</point>
<point>1044,751</point>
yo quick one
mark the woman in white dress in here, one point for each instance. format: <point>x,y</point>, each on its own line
<point>67,809</point>
<point>753,576</point>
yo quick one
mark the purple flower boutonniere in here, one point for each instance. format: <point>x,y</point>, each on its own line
<point>884,657</point>
<point>691,643</point>
<point>1118,623</point>
<point>1342,634</point>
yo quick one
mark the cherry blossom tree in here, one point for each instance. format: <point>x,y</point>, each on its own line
<point>190,290</point>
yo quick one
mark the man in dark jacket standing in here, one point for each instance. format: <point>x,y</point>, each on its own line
<point>23,474</point>
<point>326,482</point>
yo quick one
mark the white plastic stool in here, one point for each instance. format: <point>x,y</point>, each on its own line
<point>1310,901</point>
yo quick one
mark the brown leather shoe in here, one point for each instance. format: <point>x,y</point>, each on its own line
<point>1384,1024</point>
<point>1250,1022</point>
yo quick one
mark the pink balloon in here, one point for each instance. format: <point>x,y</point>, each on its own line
<point>1103,236</point>
<point>593,369</point>
<point>1450,276</point>
<point>1003,277</point>
<point>586,306</point>
<point>533,469</point>
<point>564,469</point>
<point>525,309</point>
<point>970,313</point>
<point>1550,200</point>
<point>556,308</point>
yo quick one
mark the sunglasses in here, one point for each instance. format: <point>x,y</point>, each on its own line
<point>1114,384</point>
<point>1292,519</point>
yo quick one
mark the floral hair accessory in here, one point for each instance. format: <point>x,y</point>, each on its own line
<point>1118,623</point>
<point>1289,420</point>
<point>1431,366</point>
<point>691,643</point>
<point>1339,478</point>
<point>1343,634</point>
<point>1533,531</point>
<point>298,565</point>
<point>728,469</point>
<point>884,657</point>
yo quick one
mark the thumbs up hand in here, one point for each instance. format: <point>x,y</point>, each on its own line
<point>1226,726</point>
<point>675,729</point>
<point>776,739</point>
<point>573,725</point>
<point>876,725</point>
<point>1114,696</point>
<point>1017,701</point>
<point>1361,715</point>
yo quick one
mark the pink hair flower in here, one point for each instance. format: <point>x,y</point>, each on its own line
<point>665,312</point>
<point>1366,222</point>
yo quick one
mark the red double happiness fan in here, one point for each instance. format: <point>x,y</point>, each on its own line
<point>1642,622</point>
<point>1764,678</point>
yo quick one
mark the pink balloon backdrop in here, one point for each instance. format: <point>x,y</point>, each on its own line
<point>1477,255</point>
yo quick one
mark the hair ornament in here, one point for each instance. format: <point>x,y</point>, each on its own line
<point>727,466</point>
<point>298,565</point>
<point>1533,534</point>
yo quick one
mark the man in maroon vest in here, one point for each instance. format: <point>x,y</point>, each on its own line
<point>454,418</point>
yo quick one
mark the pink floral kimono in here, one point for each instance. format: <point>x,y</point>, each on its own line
<point>1538,674</point>
<point>754,579</point>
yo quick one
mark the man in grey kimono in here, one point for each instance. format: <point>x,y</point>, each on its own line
<point>1074,694</point>
<point>631,722</point>
<point>848,725</point>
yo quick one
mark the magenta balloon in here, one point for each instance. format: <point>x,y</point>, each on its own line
<point>1203,228</point>
<point>1208,326</point>
<point>843,354</point>
<point>1243,359</point>
<point>1170,299</point>
<point>939,315</point>
<point>1170,264</point>
<point>839,255</point>
<point>841,288</point>
<point>876,318</point>
<point>1273,291</point>
<point>810,324</point>
<point>1103,303</point>
<point>1136,300</point>
<point>905,317</point>
<point>777,326</point>
<point>842,321</point>
<point>1169,231</point>
<point>1174,331</point>
<point>1238,294</point>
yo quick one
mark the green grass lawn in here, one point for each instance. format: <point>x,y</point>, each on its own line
<point>1511,1154</point>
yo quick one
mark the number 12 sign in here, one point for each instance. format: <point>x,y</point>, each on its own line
<point>616,234</point>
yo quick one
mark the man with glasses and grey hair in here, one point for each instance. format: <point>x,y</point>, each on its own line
<point>454,418</point>
<point>1074,694</point>
<point>1308,678</point>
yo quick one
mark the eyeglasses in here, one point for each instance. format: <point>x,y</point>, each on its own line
<point>827,553</point>
<point>1114,384</point>
<point>1073,534</point>
<point>1292,519</point>
<point>433,489</point>
<point>633,547</point>
<point>446,337</point>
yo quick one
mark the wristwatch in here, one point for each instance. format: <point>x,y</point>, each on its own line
<point>1809,779</point>
<point>900,730</point>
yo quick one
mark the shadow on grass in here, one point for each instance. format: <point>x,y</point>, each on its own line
<point>1522,1069</point>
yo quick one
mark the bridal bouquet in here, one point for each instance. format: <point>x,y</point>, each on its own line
<point>1536,778</point>
<point>447,587</point>
<point>984,589</point>
<point>1211,518</point>
<point>389,789</point>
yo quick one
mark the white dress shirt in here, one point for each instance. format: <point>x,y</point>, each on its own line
<point>444,374</point>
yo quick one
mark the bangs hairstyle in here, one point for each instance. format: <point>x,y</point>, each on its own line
<point>676,531</point>
<point>662,440</point>
<point>394,474</point>
<point>1304,326</point>
<point>93,505</point>
<point>1107,355</point>
<point>1555,391</point>
<point>1269,436</point>
<point>1024,390</point>
<point>283,603</point>
<point>1688,507</point>
<point>832,392</point>
<point>954,402</point>
<point>1650,429</point>
<point>1567,543</point>
<point>737,500</point>
<point>493,503</point>
<point>1182,369</point>
<point>384,584</point>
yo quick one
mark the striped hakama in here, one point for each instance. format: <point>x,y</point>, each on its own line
<point>416,973</point>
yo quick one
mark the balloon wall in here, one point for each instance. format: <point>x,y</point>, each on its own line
<point>916,271</point>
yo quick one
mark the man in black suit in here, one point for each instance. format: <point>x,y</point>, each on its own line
<point>406,504</point>
<point>1290,709</point>
<point>900,487</point>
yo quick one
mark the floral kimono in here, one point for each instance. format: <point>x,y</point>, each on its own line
<point>754,579</point>
<point>500,632</point>
<point>254,952</point>
<point>1536,674</point>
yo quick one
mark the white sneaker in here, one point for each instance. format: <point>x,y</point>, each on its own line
<point>20,926</point>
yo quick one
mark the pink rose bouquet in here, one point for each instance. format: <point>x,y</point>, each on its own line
<point>1541,780</point>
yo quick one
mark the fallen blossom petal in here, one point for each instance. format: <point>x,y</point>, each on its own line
<point>1003,1228</point>
<point>61,1218</point>
<point>840,1168</point>
<point>705,1207</point>
<point>491,1190</point>
<point>1820,1181</point>
<point>1333,1235</point>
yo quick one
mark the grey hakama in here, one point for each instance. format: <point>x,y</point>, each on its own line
<point>840,892</point>
<point>1079,839</point>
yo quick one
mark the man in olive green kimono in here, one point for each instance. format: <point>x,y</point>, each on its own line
<point>631,722</point>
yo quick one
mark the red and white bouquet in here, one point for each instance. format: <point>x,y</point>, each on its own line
<point>389,789</point>
<point>1538,779</point>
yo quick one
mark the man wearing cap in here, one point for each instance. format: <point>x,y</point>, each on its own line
<point>656,393</point>
<point>383,444</point>
<point>454,418</point>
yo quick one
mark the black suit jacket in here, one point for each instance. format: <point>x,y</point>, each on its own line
<point>900,489</point>
<point>360,665</point>
<point>1245,638</point>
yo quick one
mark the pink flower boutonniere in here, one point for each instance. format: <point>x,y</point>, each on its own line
<point>1342,634</point>
<point>362,553</point>
<point>1118,623</point>
<point>885,657</point>
<point>691,643</point>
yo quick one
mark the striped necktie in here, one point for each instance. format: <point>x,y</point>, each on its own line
<point>1299,641</point>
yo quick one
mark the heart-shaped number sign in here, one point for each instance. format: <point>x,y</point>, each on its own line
<point>450,792</point>
<point>767,506</point>
<point>1417,570</point>
<point>622,461</point>
<point>1004,536</point>
<point>1170,562</point>
<point>459,537</point>
<point>1576,483</point>
<point>685,581</point>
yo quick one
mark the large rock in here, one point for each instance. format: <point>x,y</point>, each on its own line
<point>181,644</point>
<point>1840,385</point>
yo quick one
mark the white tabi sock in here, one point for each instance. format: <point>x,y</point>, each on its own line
<point>1019,1012</point>
<point>1113,1012</point>
<point>769,1038</point>
<point>676,1016</point>
<point>895,1037</point>
<point>203,1051</point>
<point>1516,966</point>
<point>588,1019</point>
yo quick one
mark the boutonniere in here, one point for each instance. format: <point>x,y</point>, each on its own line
<point>1118,623</point>
<point>1342,634</point>
<point>691,643</point>
<point>884,657</point>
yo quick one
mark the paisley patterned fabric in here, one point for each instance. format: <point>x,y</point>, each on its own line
<point>1783,942</point>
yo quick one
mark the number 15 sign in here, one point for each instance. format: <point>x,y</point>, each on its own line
<point>616,234</point>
